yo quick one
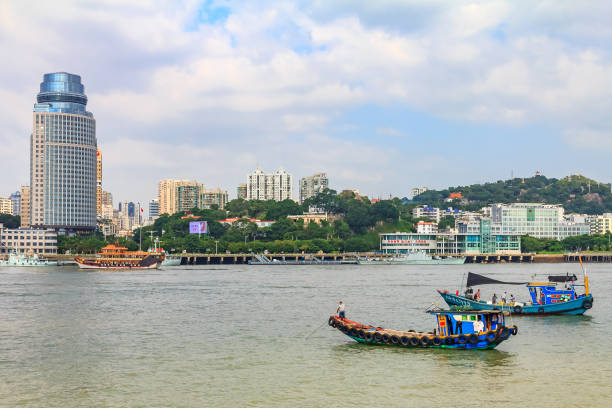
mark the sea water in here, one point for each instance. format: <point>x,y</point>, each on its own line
<point>257,336</point>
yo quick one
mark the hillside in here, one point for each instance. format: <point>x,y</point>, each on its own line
<point>576,193</point>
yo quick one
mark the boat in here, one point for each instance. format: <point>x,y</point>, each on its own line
<point>412,258</point>
<point>259,259</point>
<point>167,259</point>
<point>117,257</point>
<point>545,297</point>
<point>15,259</point>
<point>455,330</point>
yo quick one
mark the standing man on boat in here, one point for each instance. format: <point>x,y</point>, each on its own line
<point>478,325</point>
<point>340,310</point>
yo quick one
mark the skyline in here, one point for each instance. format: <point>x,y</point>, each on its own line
<point>436,94</point>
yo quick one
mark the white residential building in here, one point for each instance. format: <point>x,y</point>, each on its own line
<point>277,186</point>
<point>313,185</point>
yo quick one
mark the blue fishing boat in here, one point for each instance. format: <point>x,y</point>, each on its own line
<point>456,329</point>
<point>545,297</point>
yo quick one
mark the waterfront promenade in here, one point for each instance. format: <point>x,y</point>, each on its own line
<point>217,259</point>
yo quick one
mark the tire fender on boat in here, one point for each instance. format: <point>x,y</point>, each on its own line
<point>394,339</point>
<point>449,341</point>
<point>414,341</point>
<point>473,338</point>
<point>331,321</point>
<point>378,338</point>
<point>425,341</point>
<point>587,303</point>
<point>361,334</point>
<point>404,340</point>
<point>436,341</point>
<point>386,338</point>
<point>369,337</point>
<point>461,339</point>
<point>517,309</point>
<point>514,330</point>
<point>491,335</point>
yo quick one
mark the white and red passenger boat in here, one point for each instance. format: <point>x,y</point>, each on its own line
<point>116,257</point>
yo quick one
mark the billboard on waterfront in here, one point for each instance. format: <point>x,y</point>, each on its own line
<point>198,227</point>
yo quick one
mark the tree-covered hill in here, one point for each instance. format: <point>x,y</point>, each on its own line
<point>576,193</point>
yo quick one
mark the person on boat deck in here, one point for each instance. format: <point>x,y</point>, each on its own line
<point>477,296</point>
<point>469,292</point>
<point>494,299</point>
<point>340,310</point>
<point>512,300</point>
<point>459,328</point>
<point>478,325</point>
<point>504,297</point>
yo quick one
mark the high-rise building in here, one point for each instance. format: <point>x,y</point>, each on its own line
<point>63,156</point>
<point>313,185</point>
<point>277,186</point>
<point>216,197</point>
<point>241,191</point>
<point>16,199</point>
<point>167,190</point>
<point>6,206</point>
<point>189,197</point>
<point>25,206</point>
<point>99,184</point>
<point>153,208</point>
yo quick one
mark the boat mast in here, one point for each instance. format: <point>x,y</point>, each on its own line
<point>586,278</point>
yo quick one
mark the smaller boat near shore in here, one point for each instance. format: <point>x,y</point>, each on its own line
<point>33,260</point>
<point>412,258</point>
<point>456,329</point>
<point>116,257</point>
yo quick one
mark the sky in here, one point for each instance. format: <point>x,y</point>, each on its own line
<point>384,96</point>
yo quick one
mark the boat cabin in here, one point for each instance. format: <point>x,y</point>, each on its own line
<point>462,322</point>
<point>547,293</point>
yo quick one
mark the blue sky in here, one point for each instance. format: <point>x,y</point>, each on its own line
<point>383,96</point>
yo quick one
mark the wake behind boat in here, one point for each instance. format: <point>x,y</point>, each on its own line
<point>412,258</point>
<point>116,257</point>
<point>456,330</point>
<point>545,297</point>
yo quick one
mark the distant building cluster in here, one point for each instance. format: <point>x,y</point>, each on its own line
<point>183,195</point>
<point>277,186</point>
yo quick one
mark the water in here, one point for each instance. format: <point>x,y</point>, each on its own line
<point>256,336</point>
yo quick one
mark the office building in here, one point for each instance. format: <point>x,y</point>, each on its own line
<point>241,191</point>
<point>16,199</point>
<point>277,186</point>
<point>167,194</point>
<point>313,185</point>
<point>28,240</point>
<point>216,197</point>
<point>6,206</point>
<point>99,184</point>
<point>63,156</point>
<point>480,241</point>
<point>418,190</point>
<point>154,209</point>
<point>536,220</point>
<point>25,206</point>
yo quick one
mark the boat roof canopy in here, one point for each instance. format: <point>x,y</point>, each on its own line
<point>466,312</point>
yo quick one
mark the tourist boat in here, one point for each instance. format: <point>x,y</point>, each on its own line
<point>16,259</point>
<point>412,258</point>
<point>455,330</point>
<point>116,257</point>
<point>545,297</point>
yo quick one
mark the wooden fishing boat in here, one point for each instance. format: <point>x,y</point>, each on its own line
<point>455,330</point>
<point>545,297</point>
<point>116,257</point>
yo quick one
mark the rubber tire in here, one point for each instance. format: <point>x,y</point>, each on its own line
<point>436,341</point>
<point>473,338</point>
<point>361,334</point>
<point>514,331</point>
<point>414,341</point>
<point>424,341</point>
<point>491,335</point>
<point>331,321</point>
<point>354,332</point>
<point>517,309</point>
<point>378,338</point>
<point>369,337</point>
<point>404,341</point>
<point>587,303</point>
<point>449,341</point>
<point>462,339</point>
<point>394,339</point>
<point>386,338</point>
